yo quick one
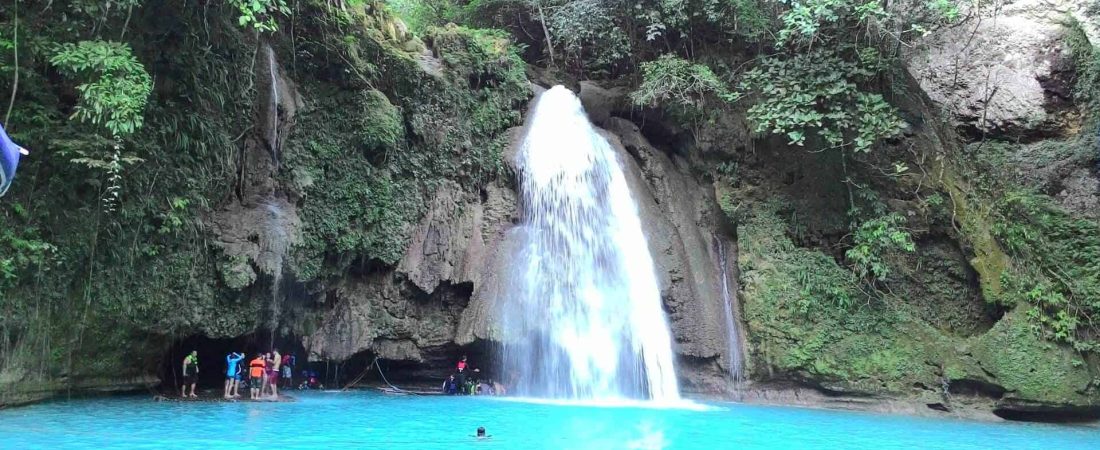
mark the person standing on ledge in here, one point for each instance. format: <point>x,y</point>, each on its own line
<point>273,372</point>
<point>460,375</point>
<point>256,375</point>
<point>288,370</point>
<point>232,374</point>
<point>190,373</point>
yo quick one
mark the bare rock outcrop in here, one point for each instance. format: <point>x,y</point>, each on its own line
<point>679,219</point>
<point>1005,70</point>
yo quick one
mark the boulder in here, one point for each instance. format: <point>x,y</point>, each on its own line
<point>1004,71</point>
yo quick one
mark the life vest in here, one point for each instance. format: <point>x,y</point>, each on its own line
<point>191,365</point>
<point>256,367</point>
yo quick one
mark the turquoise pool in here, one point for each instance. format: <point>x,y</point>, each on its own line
<point>369,420</point>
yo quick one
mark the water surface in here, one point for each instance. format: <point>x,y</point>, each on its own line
<point>369,420</point>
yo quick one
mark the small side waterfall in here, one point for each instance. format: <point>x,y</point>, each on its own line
<point>271,65</point>
<point>729,304</point>
<point>274,244</point>
<point>584,318</point>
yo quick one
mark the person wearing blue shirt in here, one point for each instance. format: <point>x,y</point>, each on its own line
<point>9,160</point>
<point>233,374</point>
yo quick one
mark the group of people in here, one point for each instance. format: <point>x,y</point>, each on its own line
<point>467,381</point>
<point>264,373</point>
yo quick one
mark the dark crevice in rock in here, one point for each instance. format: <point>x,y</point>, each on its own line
<point>976,388</point>
<point>1051,414</point>
<point>938,407</point>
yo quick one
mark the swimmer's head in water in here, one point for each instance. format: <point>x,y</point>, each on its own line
<point>480,431</point>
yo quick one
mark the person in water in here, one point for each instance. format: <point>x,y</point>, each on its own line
<point>481,433</point>
<point>9,160</point>
<point>232,374</point>
<point>190,373</point>
<point>256,374</point>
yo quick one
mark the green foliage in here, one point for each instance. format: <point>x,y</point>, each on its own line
<point>1058,267</point>
<point>590,33</point>
<point>1086,60</point>
<point>804,280</point>
<point>806,20</point>
<point>818,93</point>
<point>421,15</point>
<point>260,14</point>
<point>114,85</point>
<point>735,18</point>
<point>675,83</point>
<point>23,252</point>
<point>872,240</point>
<point>114,92</point>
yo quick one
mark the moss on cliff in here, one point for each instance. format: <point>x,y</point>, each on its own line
<point>1023,363</point>
<point>366,166</point>
<point>882,343</point>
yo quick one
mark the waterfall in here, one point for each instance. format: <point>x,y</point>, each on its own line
<point>274,244</point>
<point>583,319</point>
<point>274,104</point>
<point>729,303</point>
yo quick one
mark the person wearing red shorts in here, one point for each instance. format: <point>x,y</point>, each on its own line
<point>273,372</point>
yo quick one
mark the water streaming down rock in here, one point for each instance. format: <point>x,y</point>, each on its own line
<point>734,360</point>
<point>274,138</point>
<point>583,319</point>
<point>274,244</point>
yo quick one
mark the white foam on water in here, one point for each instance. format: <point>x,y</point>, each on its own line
<point>679,404</point>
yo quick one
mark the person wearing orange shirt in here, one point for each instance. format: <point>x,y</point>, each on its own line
<point>256,369</point>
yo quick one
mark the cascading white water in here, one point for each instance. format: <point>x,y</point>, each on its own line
<point>583,319</point>
<point>729,303</point>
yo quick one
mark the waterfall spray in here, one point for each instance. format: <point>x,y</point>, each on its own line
<point>583,319</point>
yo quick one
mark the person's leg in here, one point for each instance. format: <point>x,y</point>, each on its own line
<point>227,388</point>
<point>275,386</point>
<point>193,390</point>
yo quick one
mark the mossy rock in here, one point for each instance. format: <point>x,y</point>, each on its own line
<point>380,123</point>
<point>237,273</point>
<point>1030,367</point>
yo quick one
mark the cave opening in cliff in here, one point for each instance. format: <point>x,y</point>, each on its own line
<point>423,373</point>
<point>212,357</point>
